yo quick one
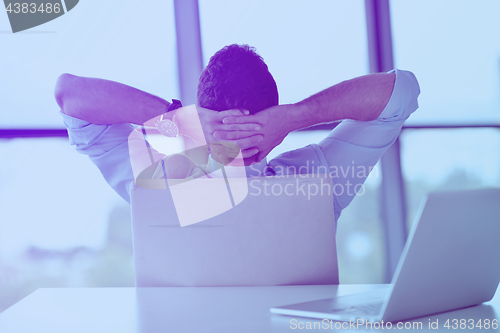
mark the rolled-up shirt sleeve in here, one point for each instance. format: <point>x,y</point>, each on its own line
<point>107,148</point>
<point>353,148</point>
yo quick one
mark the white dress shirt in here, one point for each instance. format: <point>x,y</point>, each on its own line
<point>348,153</point>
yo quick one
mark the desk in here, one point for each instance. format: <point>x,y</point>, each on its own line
<point>193,310</point>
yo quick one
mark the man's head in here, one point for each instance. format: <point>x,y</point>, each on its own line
<point>236,77</point>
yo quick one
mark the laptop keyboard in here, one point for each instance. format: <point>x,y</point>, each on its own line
<point>371,309</point>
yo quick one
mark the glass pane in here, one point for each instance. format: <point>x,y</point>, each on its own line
<point>124,41</point>
<point>308,46</point>
<point>452,159</point>
<point>454,50</point>
<point>61,225</point>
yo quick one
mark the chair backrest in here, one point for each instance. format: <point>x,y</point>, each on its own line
<point>281,233</point>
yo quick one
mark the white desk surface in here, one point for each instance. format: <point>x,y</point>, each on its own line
<point>194,310</point>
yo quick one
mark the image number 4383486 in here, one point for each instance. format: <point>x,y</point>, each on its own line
<point>26,14</point>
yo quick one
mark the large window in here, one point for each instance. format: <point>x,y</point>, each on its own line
<point>448,159</point>
<point>125,41</point>
<point>454,50</point>
<point>308,45</point>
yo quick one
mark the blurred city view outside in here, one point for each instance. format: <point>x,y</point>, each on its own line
<point>62,226</point>
<point>80,266</point>
<point>106,260</point>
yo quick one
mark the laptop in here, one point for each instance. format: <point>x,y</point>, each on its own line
<point>450,261</point>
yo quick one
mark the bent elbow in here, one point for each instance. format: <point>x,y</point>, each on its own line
<point>412,90</point>
<point>61,89</point>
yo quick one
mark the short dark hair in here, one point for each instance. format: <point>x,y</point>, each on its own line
<point>236,77</point>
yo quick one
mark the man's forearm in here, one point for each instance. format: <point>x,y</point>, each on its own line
<point>362,98</point>
<point>102,101</point>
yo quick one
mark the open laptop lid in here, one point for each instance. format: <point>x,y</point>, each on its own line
<point>451,257</point>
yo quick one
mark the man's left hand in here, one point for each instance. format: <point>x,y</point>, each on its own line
<point>274,127</point>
